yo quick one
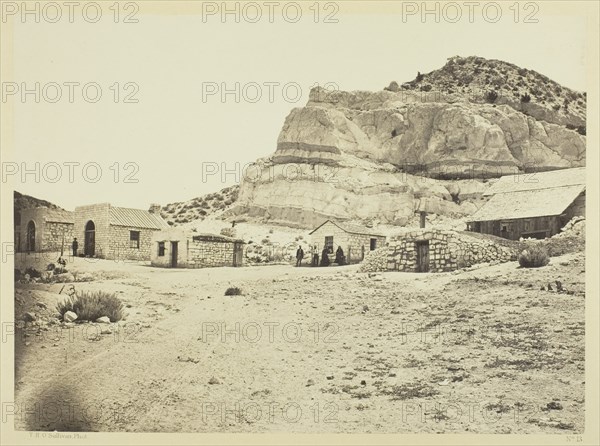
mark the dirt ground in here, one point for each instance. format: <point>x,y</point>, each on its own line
<point>308,350</point>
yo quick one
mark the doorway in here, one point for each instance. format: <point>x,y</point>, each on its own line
<point>174,254</point>
<point>373,244</point>
<point>30,236</point>
<point>238,254</point>
<point>422,256</point>
<point>89,245</point>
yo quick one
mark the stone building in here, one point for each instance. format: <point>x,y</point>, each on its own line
<point>436,250</point>
<point>174,247</point>
<point>116,233</point>
<point>533,205</point>
<point>43,229</point>
<point>355,240</point>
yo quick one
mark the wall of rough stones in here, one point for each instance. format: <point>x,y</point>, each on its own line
<point>48,234</point>
<point>119,244</point>
<point>448,250</point>
<point>205,254</point>
<point>57,235</point>
<point>100,215</point>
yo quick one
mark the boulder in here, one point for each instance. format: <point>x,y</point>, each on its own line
<point>29,317</point>
<point>69,316</point>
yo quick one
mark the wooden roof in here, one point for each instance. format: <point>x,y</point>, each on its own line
<point>528,203</point>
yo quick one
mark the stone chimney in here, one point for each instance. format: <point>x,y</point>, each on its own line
<point>154,209</point>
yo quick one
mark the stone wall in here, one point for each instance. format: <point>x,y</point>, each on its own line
<point>448,250</point>
<point>57,235</point>
<point>119,243</point>
<point>205,254</point>
<point>48,234</point>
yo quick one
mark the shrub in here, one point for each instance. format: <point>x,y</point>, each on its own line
<point>491,96</point>
<point>534,256</point>
<point>33,273</point>
<point>50,267</point>
<point>233,291</point>
<point>59,270</point>
<point>525,98</point>
<point>419,77</point>
<point>581,130</point>
<point>89,306</point>
<point>426,87</point>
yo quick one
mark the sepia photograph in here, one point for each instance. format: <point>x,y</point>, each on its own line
<point>290,222</point>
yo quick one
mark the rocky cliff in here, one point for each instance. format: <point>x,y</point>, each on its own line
<point>383,155</point>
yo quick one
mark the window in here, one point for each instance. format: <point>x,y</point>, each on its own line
<point>373,244</point>
<point>161,249</point>
<point>329,244</point>
<point>134,239</point>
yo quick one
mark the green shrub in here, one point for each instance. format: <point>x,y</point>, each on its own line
<point>233,291</point>
<point>526,98</point>
<point>534,256</point>
<point>89,306</point>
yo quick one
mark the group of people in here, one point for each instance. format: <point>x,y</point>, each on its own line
<point>340,258</point>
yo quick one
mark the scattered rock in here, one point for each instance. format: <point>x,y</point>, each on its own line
<point>214,380</point>
<point>103,320</point>
<point>310,382</point>
<point>29,317</point>
<point>69,316</point>
<point>330,377</point>
<point>554,405</point>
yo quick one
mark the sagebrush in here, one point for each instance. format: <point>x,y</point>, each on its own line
<point>534,256</point>
<point>233,291</point>
<point>90,305</point>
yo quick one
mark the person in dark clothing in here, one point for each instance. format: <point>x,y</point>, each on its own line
<point>299,256</point>
<point>325,257</point>
<point>339,256</point>
<point>75,245</point>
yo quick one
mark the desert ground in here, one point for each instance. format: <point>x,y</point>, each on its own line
<point>490,349</point>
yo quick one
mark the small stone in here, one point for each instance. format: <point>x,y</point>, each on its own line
<point>29,317</point>
<point>310,382</point>
<point>214,380</point>
<point>330,377</point>
<point>103,320</point>
<point>69,316</point>
<point>363,383</point>
<point>106,330</point>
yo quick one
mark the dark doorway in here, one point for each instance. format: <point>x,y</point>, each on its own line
<point>174,254</point>
<point>422,256</point>
<point>89,245</point>
<point>238,253</point>
<point>373,244</point>
<point>30,236</point>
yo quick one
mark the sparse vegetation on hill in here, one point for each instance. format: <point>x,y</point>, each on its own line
<point>199,208</point>
<point>22,201</point>
<point>475,77</point>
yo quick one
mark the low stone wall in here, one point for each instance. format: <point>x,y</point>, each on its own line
<point>206,254</point>
<point>448,250</point>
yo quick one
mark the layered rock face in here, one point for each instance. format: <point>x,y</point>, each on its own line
<point>383,155</point>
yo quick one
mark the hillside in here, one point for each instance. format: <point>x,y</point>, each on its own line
<point>199,208</point>
<point>494,81</point>
<point>22,201</point>
<point>381,156</point>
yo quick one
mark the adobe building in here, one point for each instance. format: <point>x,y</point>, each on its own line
<point>43,229</point>
<point>535,205</point>
<point>179,248</point>
<point>116,233</point>
<point>436,250</point>
<point>355,240</point>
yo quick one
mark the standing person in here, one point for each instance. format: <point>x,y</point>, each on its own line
<point>325,257</point>
<point>339,256</point>
<point>315,256</point>
<point>299,256</point>
<point>75,245</point>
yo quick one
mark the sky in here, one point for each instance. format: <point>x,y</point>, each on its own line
<point>156,126</point>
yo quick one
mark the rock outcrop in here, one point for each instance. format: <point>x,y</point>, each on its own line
<point>384,155</point>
